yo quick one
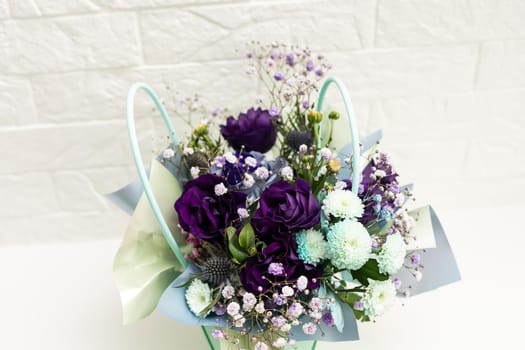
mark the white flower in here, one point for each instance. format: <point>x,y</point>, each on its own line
<point>400,200</point>
<point>230,158</point>
<point>168,153</point>
<point>343,204</point>
<point>380,173</point>
<point>316,303</point>
<point>260,346</point>
<point>243,213</point>
<point>233,308</point>
<point>349,245</point>
<point>259,308</point>
<point>309,328</point>
<point>311,246</point>
<point>198,296</point>
<point>287,173</point>
<point>194,171</point>
<point>316,315</point>
<point>220,189</point>
<point>326,153</point>
<point>323,170</point>
<point>302,283</point>
<point>261,173</point>
<point>286,327</point>
<point>392,254</point>
<point>340,185</point>
<point>238,320</point>
<point>303,149</point>
<point>228,292</point>
<point>249,301</point>
<point>188,151</point>
<point>287,291</point>
<point>251,162</point>
<point>295,310</point>
<point>279,342</point>
<point>248,181</point>
<point>379,296</point>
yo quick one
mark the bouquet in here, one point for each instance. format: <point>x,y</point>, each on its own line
<point>268,229</point>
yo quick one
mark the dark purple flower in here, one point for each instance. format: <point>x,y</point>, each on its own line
<point>285,208</point>
<point>373,188</point>
<point>204,213</point>
<point>255,130</point>
<point>284,250</point>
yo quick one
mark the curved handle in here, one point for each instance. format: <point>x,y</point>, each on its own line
<point>132,133</point>
<point>356,176</point>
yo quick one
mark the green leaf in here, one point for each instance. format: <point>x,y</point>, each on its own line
<point>350,298</point>
<point>234,247</point>
<point>369,270</point>
<point>145,265</point>
<point>247,238</point>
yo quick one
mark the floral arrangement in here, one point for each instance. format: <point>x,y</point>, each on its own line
<point>286,236</point>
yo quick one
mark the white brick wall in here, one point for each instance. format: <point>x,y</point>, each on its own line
<point>444,79</point>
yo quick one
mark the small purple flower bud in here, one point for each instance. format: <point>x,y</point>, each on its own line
<point>220,309</point>
<point>249,54</point>
<point>310,65</point>
<point>358,306</point>
<point>397,282</point>
<point>278,76</point>
<point>274,111</point>
<point>290,59</point>
<point>306,104</point>
<point>328,319</point>
<point>415,259</point>
<point>276,269</point>
<point>319,72</point>
<point>375,244</point>
<point>218,334</point>
<point>394,188</point>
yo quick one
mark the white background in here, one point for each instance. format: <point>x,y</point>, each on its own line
<point>444,79</point>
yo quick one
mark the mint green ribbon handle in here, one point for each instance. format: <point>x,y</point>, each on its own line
<point>356,176</point>
<point>132,133</point>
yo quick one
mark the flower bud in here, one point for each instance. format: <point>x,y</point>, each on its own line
<point>334,165</point>
<point>201,130</point>
<point>315,117</point>
<point>334,115</point>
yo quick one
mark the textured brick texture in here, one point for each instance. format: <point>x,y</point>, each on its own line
<point>444,79</point>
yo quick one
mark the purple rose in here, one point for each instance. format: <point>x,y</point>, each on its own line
<point>203,212</point>
<point>285,208</point>
<point>255,130</point>
<point>256,273</point>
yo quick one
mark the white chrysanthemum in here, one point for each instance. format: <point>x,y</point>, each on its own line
<point>392,254</point>
<point>343,204</point>
<point>198,296</point>
<point>311,246</point>
<point>349,245</point>
<point>379,296</point>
